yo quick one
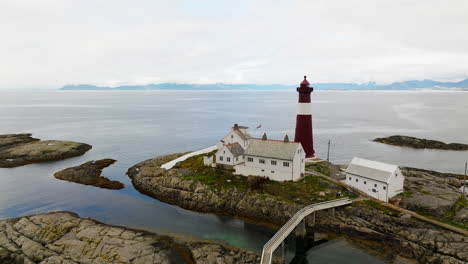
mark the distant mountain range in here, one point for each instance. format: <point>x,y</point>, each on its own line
<point>407,85</point>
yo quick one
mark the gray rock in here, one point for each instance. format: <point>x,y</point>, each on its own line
<point>462,216</point>
<point>21,149</point>
<point>430,192</point>
<point>63,237</point>
<point>89,173</point>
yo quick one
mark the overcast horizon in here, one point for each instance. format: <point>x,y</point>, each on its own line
<point>50,43</point>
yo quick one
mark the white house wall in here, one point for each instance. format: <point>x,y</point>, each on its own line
<point>276,172</point>
<point>380,193</point>
<point>396,184</point>
<point>232,137</point>
<point>224,154</point>
<point>299,163</point>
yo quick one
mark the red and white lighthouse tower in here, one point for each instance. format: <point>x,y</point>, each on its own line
<point>304,119</point>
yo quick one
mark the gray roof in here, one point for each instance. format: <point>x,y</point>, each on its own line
<point>371,169</point>
<point>277,149</point>
<point>244,136</point>
<point>235,148</point>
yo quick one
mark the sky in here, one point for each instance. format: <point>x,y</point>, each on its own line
<point>51,43</point>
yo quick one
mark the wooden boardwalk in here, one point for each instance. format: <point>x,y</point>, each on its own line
<point>280,236</point>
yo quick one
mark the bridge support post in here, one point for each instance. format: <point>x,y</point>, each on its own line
<point>283,252</point>
<point>332,211</point>
<point>301,230</point>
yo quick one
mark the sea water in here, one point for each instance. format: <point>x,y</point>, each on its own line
<point>132,126</point>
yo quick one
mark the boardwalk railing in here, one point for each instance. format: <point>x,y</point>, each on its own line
<point>279,237</point>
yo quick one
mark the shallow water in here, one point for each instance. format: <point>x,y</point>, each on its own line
<point>131,126</point>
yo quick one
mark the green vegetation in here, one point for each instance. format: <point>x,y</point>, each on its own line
<point>378,206</point>
<point>321,167</point>
<point>449,216</point>
<point>305,191</point>
<point>407,194</point>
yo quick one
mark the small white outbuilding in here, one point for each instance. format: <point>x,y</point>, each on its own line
<point>377,179</point>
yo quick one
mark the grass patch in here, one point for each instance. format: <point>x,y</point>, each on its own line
<point>449,216</point>
<point>213,177</point>
<point>407,194</point>
<point>307,190</point>
<point>380,207</point>
<point>320,167</point>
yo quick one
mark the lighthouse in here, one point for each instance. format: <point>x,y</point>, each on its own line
<point>304,119</point>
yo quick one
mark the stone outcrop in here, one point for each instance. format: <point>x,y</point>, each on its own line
<point>380,229</point>
<point>418,143</point>
<point>63,237</point>
<point>430,192</point>
<point>21,149</point>
<point>89,173</point>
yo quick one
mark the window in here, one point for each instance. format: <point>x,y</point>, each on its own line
<point>302,160</point>
<point>262,161</point>
<point>349,178</point>
<point>286,164</point>
<point>272,171</point>
<point>384,188</point>
<point>365,182</point>
<point>357,180</point>
<point>237,158</point>
<point>263,170</point>
<point>374,190</point>
<point>224,152</point>
<point>249,159</point>
<point>228,159</point>
<point>273,162</point>
<point>375,185</point>
<point>221,158</point>
<point>232,136</point>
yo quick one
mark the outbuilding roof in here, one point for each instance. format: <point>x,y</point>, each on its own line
<point>375,170</point>
<point>277,149</point>
<point>235,148</point>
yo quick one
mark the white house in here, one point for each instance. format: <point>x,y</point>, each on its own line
<point>230,155</point>
<point>377,179</point>
<point>279,160</point>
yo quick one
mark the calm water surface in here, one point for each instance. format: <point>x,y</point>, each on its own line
<point>131,126</point>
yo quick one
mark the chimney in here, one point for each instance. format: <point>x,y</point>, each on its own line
<point>264,137</point>
<point>236,126</point>
<point>286,138</point>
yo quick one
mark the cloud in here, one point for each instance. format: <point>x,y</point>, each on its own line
<point>49,43</point>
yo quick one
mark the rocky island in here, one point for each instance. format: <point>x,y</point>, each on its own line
<point>89,173</point>
<point>372,226</point>
<point>64,237</point>
<point>21,149</point>
<point>418,143</point>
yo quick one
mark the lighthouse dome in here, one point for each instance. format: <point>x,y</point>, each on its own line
<point>305,83</point>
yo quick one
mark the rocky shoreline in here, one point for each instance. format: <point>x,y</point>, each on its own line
<point>89,173</point>
<point>380,228</point>
<point>64,237</point>
<point>418,143</point>
<point>21,149</point>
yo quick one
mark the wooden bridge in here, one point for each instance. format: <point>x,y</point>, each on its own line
<point>280,236</point>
